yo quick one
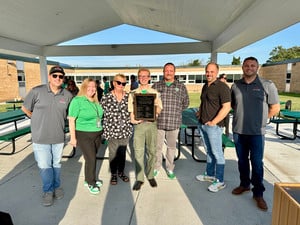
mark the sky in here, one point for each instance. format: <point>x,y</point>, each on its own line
<point>286,38</point>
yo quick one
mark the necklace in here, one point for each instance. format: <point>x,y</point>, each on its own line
<point>98,119</point>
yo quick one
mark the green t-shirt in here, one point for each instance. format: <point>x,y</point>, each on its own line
<point>87,114</point>
<point>169,83</point>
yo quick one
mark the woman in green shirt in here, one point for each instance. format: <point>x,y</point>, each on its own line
<point>85,115</point>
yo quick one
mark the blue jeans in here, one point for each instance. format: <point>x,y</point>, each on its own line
<point>48,157</point>
<point>252,145</point>
<point>212,141</point>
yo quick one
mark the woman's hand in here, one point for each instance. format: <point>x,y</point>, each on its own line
<point>73,142</point>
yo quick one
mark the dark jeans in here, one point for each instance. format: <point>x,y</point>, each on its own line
<point>89,143</point>
<point>252,145</point>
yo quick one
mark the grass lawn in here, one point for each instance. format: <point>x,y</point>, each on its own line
<point>295,98</point>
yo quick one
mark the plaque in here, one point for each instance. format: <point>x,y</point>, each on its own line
<point>144,107</point>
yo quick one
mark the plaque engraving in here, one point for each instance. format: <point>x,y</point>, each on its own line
<point>144,107</point>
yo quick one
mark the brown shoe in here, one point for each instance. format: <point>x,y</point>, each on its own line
<point>261,204</point>
<point>240,190</point>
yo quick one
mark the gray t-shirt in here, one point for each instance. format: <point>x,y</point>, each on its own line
<point>49,112</point>
<point>250,103</point>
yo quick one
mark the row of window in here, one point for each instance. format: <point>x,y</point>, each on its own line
<point>187,79</point>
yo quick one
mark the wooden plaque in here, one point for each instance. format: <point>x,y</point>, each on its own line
<point>144,107</point>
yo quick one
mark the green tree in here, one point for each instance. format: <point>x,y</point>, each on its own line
<point>236,61</point>
<point>279,54</point>
<point>195,62</point>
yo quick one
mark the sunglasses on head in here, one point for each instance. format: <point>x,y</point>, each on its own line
<point>56,75</point>
<point>119,83</point>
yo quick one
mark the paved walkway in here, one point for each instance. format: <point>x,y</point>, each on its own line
<point>183,201</point>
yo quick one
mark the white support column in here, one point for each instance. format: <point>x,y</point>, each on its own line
<point>214,57</point>
<point>43,69</point>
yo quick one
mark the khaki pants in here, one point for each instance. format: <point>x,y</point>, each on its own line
<point>145,135</point>
<point>170,136</point>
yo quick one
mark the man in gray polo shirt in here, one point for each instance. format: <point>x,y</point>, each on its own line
<point>254,100</point>
<point>47,106</point>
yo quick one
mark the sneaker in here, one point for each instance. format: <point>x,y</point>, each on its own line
<point>47,198</point>
<point>216,186</point>
<point>58,193</point>
<point>155,173</point>
<point>171,175</point>
<point>94,189</point>
<point>205,177</point>
<point>99,183</point>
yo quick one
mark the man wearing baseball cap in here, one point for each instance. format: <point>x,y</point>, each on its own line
<point>47,106</point>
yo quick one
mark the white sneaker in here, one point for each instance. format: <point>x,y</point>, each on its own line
<point>205,177</point>
<point>216,186</point>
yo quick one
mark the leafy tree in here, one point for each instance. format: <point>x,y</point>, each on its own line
<point>195,62</point>
<point>279,54</point>
<point>236,61</point>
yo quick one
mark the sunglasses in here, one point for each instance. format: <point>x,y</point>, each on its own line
<point>119,83</point>
<point>55,76</point>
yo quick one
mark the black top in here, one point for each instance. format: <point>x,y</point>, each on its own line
<point>212,98</point>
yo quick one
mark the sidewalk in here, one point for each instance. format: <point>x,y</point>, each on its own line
<point>183,201</point>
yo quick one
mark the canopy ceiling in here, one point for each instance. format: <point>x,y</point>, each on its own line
<point>35,28</point>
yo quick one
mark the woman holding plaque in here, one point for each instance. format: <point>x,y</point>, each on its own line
<point>145,128</point>
<point>117,127</point>
<point>85,115</point>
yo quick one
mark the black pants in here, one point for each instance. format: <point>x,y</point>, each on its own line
<point>89,143</point>
<point>117,154</point>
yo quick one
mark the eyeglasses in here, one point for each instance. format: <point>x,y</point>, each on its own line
<point>119,83</point>
<point>59,76</point>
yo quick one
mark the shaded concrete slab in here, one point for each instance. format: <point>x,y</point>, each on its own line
<point>180,201</point>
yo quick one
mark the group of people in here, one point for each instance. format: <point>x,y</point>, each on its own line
<point>252,99</point>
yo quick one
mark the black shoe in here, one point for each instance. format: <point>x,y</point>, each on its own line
<point>137,185</point>
<point>153,182</point>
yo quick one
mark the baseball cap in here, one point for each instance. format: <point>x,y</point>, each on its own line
<point>56,69</point>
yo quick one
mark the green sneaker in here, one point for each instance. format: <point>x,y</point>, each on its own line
<point>171,175</point>
<point>94,189</point>
<point>155,173</point>
<point>99,183</point>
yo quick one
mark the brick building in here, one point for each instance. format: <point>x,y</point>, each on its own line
<point>19,74</point>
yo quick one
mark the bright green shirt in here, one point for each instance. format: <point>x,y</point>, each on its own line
<point>86,114</point>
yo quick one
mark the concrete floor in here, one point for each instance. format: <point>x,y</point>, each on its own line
<point>174,202</point>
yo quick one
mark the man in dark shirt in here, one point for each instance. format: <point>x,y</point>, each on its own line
<point>215,105</point>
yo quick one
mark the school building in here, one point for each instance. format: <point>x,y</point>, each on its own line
<point>19,74</point>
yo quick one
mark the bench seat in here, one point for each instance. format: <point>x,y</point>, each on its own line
<point>11,136</point>
<point>227,142</point>
<point>284,120</point>
<point>12,120</point>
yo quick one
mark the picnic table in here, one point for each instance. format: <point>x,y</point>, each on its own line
<point>190,121</point>
<point>14,102</point>
<point>9,117</point>
<point>12,116</point>
<point>287,117</point>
